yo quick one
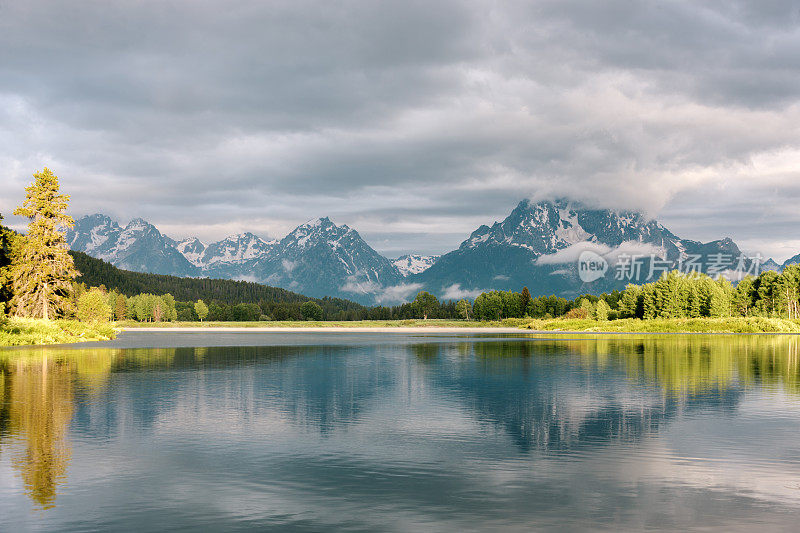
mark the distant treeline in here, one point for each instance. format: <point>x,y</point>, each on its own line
<point>673,295</point>
<point>153,297</point>
<point>226,299</point>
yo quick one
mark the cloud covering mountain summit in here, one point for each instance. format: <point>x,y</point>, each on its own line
<point>536,245</point>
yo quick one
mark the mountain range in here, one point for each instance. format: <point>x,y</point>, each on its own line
<point>538,245</point>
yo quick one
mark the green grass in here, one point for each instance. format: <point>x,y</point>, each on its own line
<point>629,325</point>
<point>674,325</point>
<point>433,323</point>
<point>27,331</point>
<point>31,331</point>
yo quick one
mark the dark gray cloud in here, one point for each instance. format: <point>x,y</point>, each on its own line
<point>413,122</point>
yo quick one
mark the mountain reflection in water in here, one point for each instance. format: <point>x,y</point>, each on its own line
<point>548,396</point>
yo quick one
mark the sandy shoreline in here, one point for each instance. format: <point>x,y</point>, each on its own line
<point>398,329</point>
<point>429,330</point>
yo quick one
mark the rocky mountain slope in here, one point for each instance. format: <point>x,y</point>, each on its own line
<point>539,245</point>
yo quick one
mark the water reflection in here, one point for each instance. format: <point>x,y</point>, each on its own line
<point>34,418</point>
<point>565,394</point>
<point>548,396</point>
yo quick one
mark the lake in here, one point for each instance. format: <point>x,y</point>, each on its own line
<point>401,432</point>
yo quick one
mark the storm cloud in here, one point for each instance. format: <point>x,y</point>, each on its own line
<point>413,122</point>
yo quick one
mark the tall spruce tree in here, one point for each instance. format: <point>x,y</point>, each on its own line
<point>525,300</point>
<point>42,271</point>
<point>5,262</point>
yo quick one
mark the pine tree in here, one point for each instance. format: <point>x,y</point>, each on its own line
<point>525,300</point>
<point>587,306</point>
<point>120,307</point>
<point>601,310</point>
<point>42,272</point>
<point>629,301</point>
<point>6,237</point>
<point>693,303</point>
<point>649,308</point>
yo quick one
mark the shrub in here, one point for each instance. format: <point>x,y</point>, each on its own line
<point>577,312</point>
<point>92,307</point>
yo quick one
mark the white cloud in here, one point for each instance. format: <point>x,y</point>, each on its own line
<point>397,294</point>
<point>570,254</point>
<point>677,108</point>
<point>393,294</point>
<point>360,286</point>
<point>455,292</point>
<point>287,265</point>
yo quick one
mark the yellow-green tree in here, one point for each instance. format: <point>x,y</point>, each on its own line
<point>42,271</point>
<point>93,307</point>
<point>201,309</point>
<point>601,310</point>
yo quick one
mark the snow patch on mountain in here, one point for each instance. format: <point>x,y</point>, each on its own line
<point>569,230</point>
<point>192,249</point>
<point>235,249</point>
<point>414,264</point>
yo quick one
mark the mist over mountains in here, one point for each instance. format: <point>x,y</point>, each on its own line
<point>537,245</point>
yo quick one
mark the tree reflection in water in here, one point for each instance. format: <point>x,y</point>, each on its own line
<point>520,385</point>
<point>36,412</point>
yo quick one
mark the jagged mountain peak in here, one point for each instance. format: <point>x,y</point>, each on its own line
<point>192,241</point>
<point>318,222</point>
<point>138,246</point>
<point>316,231</point>
<point>771,264</point>
<point>192,249</point>
<point>234,249</point>
<point>550,225</point>
<point>792,261</point>
<point>532,246</point>
<point>97,219</point>
<point>139,223</point>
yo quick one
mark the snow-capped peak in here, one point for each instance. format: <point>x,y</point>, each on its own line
<point>234,249</point>
<point>549,226</point>
<point>138,224</point>
<point>192,249</point>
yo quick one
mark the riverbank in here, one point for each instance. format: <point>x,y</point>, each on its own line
<point>368,325</point>
<point>514,325</point>
<point>668,325</point>
<point>30,331</point>
<point>22,331</point>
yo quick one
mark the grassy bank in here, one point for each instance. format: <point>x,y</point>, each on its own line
<point>433,323</point>
<point>675,325</point>
<point>28,331</point>
<point>678,325</point>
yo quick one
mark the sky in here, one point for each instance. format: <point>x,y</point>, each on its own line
<point>413,122</point>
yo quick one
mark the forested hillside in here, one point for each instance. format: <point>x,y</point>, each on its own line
<point>95,272</point>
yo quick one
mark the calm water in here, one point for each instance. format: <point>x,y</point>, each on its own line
<point>396,432</point>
